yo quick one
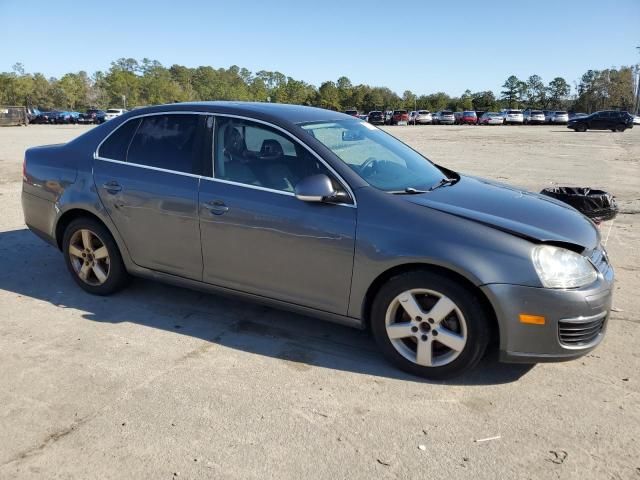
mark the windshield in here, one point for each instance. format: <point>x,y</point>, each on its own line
<point>379,158</point>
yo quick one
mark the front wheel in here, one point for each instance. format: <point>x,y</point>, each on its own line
<point>429,325</point>
<point>93,258</point>
<point>620,128</point>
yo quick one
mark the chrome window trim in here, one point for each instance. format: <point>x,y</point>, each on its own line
<point>341,180</point>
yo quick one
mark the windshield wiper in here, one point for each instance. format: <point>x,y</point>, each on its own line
<point>409,191</point>
<point>443,182</point>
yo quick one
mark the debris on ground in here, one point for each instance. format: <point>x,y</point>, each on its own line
<point>488,439</point>
<point>558,456</point>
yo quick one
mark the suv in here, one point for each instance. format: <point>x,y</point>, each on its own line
<point>559,117</point>
<point>113,113</point>
<point>533,117</point>
<point>444,117</point>
<point>399,117</point>
<point>423,117</point>
<point>93,115</point>
<point>513,117</point>
<point>376,117</point>
<point>606,120</point>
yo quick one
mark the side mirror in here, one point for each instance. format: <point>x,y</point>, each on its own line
<point>316,188</point>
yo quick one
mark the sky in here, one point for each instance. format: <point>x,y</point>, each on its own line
<point>422,46</point>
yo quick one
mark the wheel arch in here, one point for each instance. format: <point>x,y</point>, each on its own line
<point>381,279</point>
<point>69,216</point>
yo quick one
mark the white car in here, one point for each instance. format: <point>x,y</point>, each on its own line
<point>490,118</point>
<point>113,113</point>
<point>533,116</point>
<point>423,117</point>
<point>444,117</point>
<point>636,119</point>
<point>512,117</point>
<point>559,117</point>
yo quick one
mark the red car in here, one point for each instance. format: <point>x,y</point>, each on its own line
<point>468,117</point>
<point>400,117</point>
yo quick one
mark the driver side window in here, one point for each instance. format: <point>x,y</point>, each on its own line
<point>254,154</point>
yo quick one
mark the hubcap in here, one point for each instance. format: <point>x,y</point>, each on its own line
<point>426,327</point>
<point>89,257</point>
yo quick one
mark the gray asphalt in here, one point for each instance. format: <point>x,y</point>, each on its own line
<point>161,382</point>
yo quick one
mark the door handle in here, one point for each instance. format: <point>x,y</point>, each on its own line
<point>217,207</point>
<point>112,186</point>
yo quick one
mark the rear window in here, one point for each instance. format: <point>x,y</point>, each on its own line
<point>447,112</point>
<point>113,110</point>
<point>537,112</point>
<point>351,112</point>
<point>469,114</point>
<point>375,112</point>
<point>561,113</point>
<point>116,145</point>
<point>423,112</point>
<point>514,112</point>
<point>399,112</point>
<point>165,141</point>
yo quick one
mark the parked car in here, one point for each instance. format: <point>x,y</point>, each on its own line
<point>62,117</point>
<point>444,117</point>
<point>93,116</point>
<point>533,117</point>
<point>400,117</point>
<point>363,116</point>
<point>491,118</point>
<point>353,113</point>
<point>376,117</point>
<point>547,115</point>
<point>636,119</point>
<point>32,114</point>
<point>512,117</point>
<point>468,117</point>
<point>388,116</point>
<point>559,117</point>
<point>495,263</point>
<point>424,117</point>
<point>613,120</point>
<point>412,117</point>
<point>112,113</point>
<point>45,117</point>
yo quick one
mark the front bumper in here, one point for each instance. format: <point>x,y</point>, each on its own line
<point>526,343</point>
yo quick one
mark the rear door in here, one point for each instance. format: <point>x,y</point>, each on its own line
<point>146,174</point>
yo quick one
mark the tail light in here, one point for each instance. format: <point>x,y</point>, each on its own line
<point>24,169</point>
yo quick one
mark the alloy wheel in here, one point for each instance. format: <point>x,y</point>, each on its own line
<point>426,327</point>
<point>89,257</point>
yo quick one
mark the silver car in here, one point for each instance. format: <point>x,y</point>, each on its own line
<point>444,117</point>
<point>559,117</point>
<point>324,214</point>
<point>424,117</point>
<point>532,117</point>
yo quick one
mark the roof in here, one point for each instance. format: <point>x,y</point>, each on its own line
<point>274,112</point>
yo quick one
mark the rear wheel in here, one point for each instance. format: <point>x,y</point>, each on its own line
<point>429,325</point>
<point>620,128</point>
<point>581,128</point>
<point>93,258</point>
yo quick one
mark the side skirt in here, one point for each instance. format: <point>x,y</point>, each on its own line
<point>278,304</point>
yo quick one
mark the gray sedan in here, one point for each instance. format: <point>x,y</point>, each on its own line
<point>324,214</point>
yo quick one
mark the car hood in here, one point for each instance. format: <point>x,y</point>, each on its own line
<point>524,214</point>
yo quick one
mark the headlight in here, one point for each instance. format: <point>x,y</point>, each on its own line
<point>562,268</point>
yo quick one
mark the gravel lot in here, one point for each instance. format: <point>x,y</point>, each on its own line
<point>160,382</point>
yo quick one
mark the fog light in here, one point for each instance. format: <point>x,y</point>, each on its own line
<point>531,319</point>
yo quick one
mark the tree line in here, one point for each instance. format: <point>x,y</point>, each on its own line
<point>147,82</point>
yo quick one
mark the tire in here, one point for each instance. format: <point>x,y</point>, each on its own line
<point>620,128</point>
<point>108,273</point>
<point>417,348</point>
<point>581,128</point>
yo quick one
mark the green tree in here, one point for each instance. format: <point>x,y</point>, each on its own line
<point>512,91</point>
<point>557,91</point>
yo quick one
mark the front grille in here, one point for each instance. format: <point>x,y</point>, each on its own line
<point>575,333</point>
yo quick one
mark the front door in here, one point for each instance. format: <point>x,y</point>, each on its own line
<point>257,237</point>
<point>144,175</point>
